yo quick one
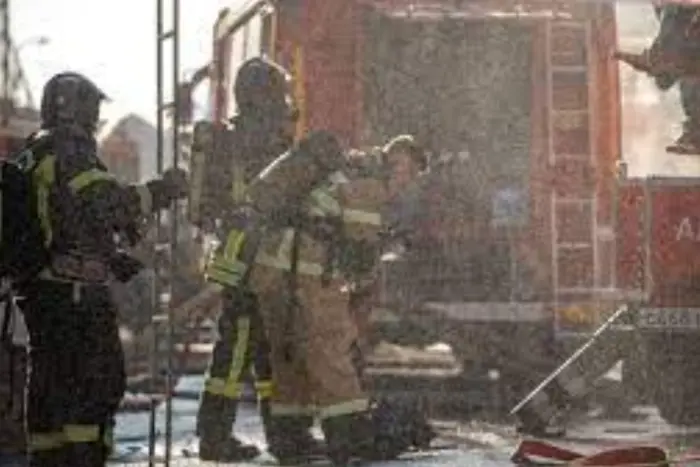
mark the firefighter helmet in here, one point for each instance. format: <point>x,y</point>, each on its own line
<point>71,99</point>
<point>264,86</point>
<point>406,145</point>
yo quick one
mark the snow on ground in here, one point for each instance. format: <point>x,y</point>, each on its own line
<point>481,443</point>
<point>132,437</point>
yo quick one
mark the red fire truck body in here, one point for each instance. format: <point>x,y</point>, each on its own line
<point>518,103</point>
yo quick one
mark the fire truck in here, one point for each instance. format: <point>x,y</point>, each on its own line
<point>533,233</point>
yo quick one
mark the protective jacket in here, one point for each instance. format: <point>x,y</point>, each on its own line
<point>79,207</point>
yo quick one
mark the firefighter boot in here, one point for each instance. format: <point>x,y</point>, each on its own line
<point>400,423</point>
<point>661,65</point>
<point>366,436</point>
<point>688,143</point>
<point>49,458</point>
<point>92,454</point>
<point>349,438</point>
<point>215,421</point>
<point>289,438</point>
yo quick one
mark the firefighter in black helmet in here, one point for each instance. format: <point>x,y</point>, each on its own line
<point>262,130</point>
<point>77,370</point>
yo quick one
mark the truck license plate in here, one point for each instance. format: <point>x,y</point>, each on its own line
<point>688,318</point>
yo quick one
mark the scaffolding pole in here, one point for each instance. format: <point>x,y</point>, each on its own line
<point>163,319</point>
<point>6,56</point>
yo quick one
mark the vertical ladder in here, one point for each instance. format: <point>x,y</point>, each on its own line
<point>572,167</point>
<point>7,96</point>
<point>162,322</point>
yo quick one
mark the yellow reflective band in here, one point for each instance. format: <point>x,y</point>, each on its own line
<point>285,410</point>
<point>87,178</point>
<point>45,441</point>
<point>231,387</point>
<point>344,408</point>
<point>303,267</point>
<point>221,387</point>
<point>233,244</point>
<point>220,271</point>
<point>145,198</point>
<point>324,203</point>
<point>222,277</point>
<point>81,433</point>
<point>265,389</point>
<point>240,349</point>
<point>362,217</point>
<point>44,177</point>
<point>232,267</point>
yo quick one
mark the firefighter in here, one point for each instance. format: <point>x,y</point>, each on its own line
<point>383,214</point>
<point>287,251</point>
<point>262,130</point>
<point>391,196</point>
<point>672,58</point>
<point>77,368</point>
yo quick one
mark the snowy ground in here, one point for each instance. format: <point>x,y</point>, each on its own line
<point>132,437</point>
<point>480,443</point>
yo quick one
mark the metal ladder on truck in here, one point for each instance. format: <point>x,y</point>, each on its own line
<point>164,251</point>
<point>572,165</point>
<point>574,224</point>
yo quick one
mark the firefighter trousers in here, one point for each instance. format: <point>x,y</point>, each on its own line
<point>241,348</point>
<point>314,354</point>
<point>690,101</point>
<point>76,378</point>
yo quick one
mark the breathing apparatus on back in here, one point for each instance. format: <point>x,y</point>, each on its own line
<point>228,155</point>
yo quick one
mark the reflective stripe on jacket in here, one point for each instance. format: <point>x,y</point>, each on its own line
<point>359,223</point>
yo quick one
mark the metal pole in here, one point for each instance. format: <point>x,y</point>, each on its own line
<point>175,214</point>
<point>7,51</point>
<point>6,80</point>
<point>156,292</point>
